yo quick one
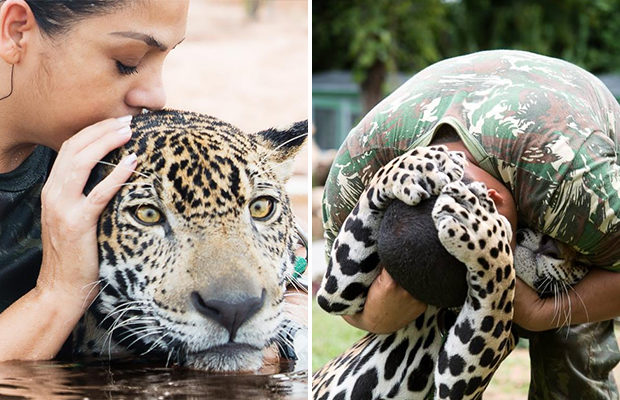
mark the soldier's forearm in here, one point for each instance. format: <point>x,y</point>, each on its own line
<point>593,299</point>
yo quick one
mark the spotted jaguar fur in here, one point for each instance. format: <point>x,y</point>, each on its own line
<point>442,353</point>
<point>197,249</point>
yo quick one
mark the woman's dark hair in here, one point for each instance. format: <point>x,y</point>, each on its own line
<point>410,250</point>
<point>58,16</point>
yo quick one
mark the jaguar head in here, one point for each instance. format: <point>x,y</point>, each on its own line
<point>196,249</point>
<point>548,266</point>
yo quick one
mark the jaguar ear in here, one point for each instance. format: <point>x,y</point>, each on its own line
<point>281,145</point>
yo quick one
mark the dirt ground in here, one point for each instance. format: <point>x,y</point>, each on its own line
<point>251,73</point>
<point>512,379</point>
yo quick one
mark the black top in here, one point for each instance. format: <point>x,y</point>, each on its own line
<point>20,225</point>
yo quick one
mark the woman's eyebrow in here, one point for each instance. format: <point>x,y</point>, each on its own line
<point>148,39</point>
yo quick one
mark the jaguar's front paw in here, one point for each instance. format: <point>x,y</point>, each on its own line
<point>414,176</point>
<point>471,229</point>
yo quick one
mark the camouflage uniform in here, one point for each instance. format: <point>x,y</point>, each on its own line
<point>20,225</point>
<point>546,128</point>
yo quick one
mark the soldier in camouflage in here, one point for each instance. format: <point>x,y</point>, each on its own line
<point>547,131</point>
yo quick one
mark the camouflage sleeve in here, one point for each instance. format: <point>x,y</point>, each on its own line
<point>342,190</point>
<point>584,210</point>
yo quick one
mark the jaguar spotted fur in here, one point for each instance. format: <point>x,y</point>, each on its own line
<point>416,362</point>
<point>197,249</point>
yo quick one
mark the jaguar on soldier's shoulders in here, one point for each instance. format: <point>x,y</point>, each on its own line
<point>197,249</point>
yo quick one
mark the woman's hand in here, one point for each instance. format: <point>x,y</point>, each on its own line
<point>388,307</point>
<point>69,218</point>
<point>36,326</point>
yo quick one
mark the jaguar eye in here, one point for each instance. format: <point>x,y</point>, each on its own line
<point>148,215</point>
<point>262,208</point>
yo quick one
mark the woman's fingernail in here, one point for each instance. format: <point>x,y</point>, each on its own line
<point>125,119</point>
<point>125,130</point>
<point>130,159</point>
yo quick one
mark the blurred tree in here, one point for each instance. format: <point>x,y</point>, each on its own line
<point>373,37</point>
<point>251,8</point>
<point>584,32</point>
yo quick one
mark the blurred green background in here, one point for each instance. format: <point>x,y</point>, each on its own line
<point>373,39</point>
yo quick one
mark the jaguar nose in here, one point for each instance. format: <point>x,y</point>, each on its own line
<point>230,315</point>
<point>549,248</point>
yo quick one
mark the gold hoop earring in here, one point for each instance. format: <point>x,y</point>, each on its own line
<point>10,92</point>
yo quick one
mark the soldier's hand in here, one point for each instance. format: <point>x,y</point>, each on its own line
<point>530,311</point>
<point>388,307</point>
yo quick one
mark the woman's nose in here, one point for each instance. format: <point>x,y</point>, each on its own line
<point>148,94</point>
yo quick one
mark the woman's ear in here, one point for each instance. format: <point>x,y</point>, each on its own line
<point>16,20</point>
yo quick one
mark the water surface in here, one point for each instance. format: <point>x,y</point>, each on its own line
<point>52,380</point>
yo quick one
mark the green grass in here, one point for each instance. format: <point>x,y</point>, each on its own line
<point>331,335</point>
